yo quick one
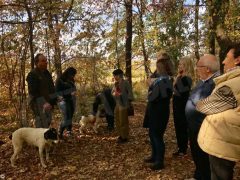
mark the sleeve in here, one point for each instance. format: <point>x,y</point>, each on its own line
<point>129,90</point>
<point>221,100</point>
<point>33,88</point>
<point>185,89</point>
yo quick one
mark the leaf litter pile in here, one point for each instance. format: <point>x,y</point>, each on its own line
<point>98,156</point>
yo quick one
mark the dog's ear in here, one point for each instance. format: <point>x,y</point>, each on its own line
<point>51,134</point>
<point>10,137</point>
<point>46,135</point>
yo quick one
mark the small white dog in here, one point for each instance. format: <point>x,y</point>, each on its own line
<point>91,122</point>
<point>41,137</point>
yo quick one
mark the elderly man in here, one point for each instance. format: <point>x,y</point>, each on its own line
<point>41,92</point>
<point>219,133</point>
<point>207,69</point>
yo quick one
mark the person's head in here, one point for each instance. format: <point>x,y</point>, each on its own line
<point>164,65</point>
<point>232,58</point>
<point>40,61</point>
<point>117,74</point>
<point>206,66</point>
<point>69,74</point>
<point>185,66</point>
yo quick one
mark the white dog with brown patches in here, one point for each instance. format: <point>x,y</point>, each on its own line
<point>40,137</point>
<point>91,122</point>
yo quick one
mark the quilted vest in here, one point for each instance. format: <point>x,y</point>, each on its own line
<point>219,134</point>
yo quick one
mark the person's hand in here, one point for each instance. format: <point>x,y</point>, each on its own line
<point>60,98</point>
<point>47,107</point>
<point>73,93</point>
<point>116,93</point>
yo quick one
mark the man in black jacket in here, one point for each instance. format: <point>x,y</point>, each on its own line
<point>41,92</point>
<point>207,69</point>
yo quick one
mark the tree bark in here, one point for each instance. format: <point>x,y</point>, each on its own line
<point>128,45</point>
<point>218,10</point>
<point>196,37</point>
<point>30,32</point>
<point>142,37</point>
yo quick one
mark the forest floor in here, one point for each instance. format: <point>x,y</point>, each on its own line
<point>97,156</point>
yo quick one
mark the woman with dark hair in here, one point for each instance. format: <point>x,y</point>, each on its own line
<point>158,109</point>
<point>122,92</point>
<point>66,90</point>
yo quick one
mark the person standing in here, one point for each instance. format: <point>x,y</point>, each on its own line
<point>158,109</point>
<point>41,92</point>
<point>219,133</point>
<point>207,69</point>
<point>181,91</point>
<point>123,95</point>
<point>66,90</point>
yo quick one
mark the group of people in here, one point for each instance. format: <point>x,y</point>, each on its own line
<point>44,94</point>
<point>206,116</point>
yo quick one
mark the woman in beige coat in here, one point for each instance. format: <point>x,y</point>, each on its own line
<point>220,130</point>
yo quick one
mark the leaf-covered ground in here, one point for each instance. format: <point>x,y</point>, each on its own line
<point>97,156</point>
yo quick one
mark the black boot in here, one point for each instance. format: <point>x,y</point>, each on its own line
<point>149,160</point>
<point>157,166</point>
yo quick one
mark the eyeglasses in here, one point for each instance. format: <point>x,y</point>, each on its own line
<point>200,66</point>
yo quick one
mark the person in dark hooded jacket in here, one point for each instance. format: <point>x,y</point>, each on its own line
<point>66,90</point>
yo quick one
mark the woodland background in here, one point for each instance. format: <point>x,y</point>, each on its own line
<point>96,37</point>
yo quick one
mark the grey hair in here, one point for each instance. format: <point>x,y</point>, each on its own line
<point>212,62</point>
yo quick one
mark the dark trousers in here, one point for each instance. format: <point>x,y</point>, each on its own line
<point>158,145</point>
<point>200,158</point>
<point>221,169</point>
<point>110,121</point>
<point>180,123</point>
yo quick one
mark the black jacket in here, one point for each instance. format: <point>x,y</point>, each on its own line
<point>158,109</point>
<point>201,91</point>
<point>105,98</point>
<point>41,86</point>
<point>64,88</point>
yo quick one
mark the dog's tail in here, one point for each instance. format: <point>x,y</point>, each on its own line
<point>10,136</point>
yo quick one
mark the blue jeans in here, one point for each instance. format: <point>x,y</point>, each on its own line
<point>158,145</point>
<point>67,115</point>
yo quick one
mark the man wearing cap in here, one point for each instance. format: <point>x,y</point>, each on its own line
<point>123,95</point>
<point>219,133</point>
<point>40,89</point>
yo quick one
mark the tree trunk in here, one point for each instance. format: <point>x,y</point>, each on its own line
<point>30,33</point>
<point>196,37</point>
<point>142,37</point>
<point>219,9</point>
<point>55,34</point>
<point>128,45</point>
